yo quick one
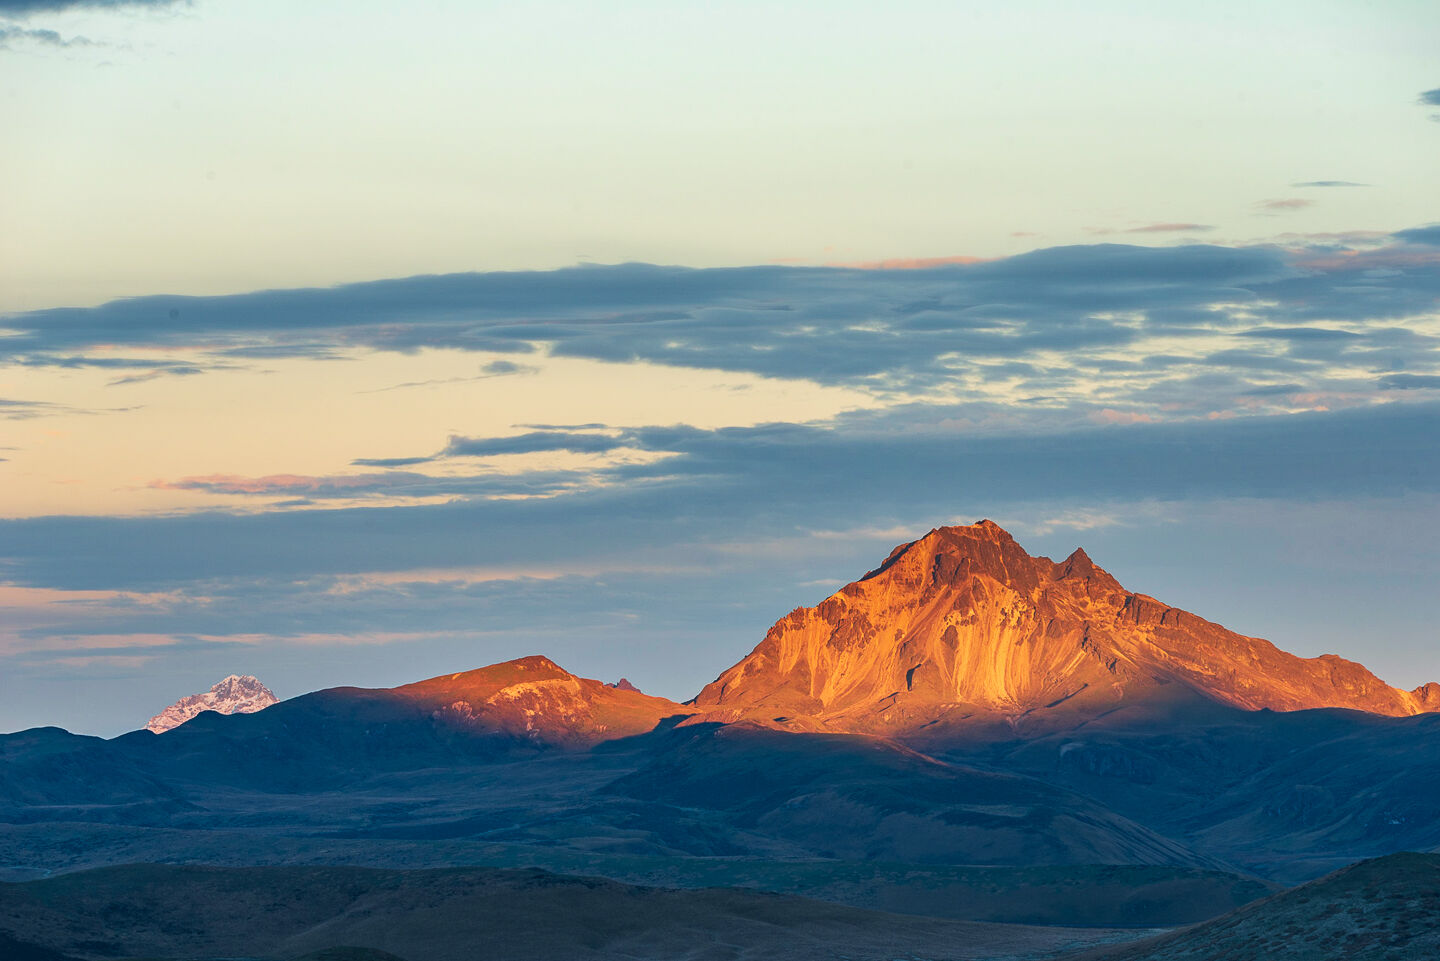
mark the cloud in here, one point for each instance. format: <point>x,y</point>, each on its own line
<point>1410,382</point>
<point>496,368</point>
<point>1430,98</point>
<point>888,329</point>
<point>898,466</point>
<point>1329,183</point>
<point>23,8</point>
<point>390,461</point>
<point>1428,236</point>
<point>1166,228</point>
<point>1076,328</point>
<point>914,263</point>
<point>46,38</point>
<point>1284,204</point>
<point>531,443</point>
<point>173,370</point>
<point>25,409</point>
<point>394,486</point>
<point>505,368</point>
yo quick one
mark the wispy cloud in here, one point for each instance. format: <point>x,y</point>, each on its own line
<point>175,370</point>
<point>10,36</point>
<point>1329,183</point>
<point>1283,205</point>
<point>300,490</point>
<point>22,8</point>
<point>914,263</point>
<point>1170,228</point>
<point>531,443</point>
<point>496,368</point>
<point>25,409</point>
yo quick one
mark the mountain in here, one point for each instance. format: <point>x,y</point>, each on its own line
<point>963,625</point>
<point>237,694</point>
<point>517,708</point>
<point>1383,909</point>
<point>536,699</point>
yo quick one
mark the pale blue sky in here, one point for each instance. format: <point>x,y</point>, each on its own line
<point>1177,303</point>
<point>224,146</point>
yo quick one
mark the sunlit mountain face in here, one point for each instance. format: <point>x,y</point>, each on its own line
<point>963,625</point>
<point>491,379</point>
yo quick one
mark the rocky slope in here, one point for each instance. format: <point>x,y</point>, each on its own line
<point>535,698</point>
<point>1381,909</point>
<point>237,694</point>
<point>964,623</point>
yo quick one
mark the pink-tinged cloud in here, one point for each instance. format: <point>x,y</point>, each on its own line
<point>1111,416</point>
<point>915,263</point>
<point>123,661</point>
<point>1354,238</point>
<point>1284,204</point>
<point>1169,228</point>
<point>1388,258</point>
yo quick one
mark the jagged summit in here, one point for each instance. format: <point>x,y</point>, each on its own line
<point>236,694</point>
<point>964,622</point>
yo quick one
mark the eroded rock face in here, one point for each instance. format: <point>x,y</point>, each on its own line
<point>964,622</point>
<point>236,694</point>
<point>536,699</point>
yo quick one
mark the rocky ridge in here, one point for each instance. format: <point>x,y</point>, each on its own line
<point>964,623</point>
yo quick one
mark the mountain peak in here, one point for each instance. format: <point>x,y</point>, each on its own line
<point>235,694</point>
<point>536,699</point>
<point>963,622</point>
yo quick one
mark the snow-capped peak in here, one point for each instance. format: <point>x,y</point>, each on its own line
<point>236,694</point>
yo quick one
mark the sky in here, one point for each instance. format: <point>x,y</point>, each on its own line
<point>359,343</point>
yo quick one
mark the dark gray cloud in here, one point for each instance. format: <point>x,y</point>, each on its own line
<point>23,8</point>
<point>828,323</point>
<point>1410,382</point>
<point>1329,183</point>
<point>879,328</point>
<point>534,442</point>
<point>1430,236</point>
<point>1118,315</point>
<point>1430,98</point>
<point>504,368</point>
<point>883,329</point>
<point>172,370</point>
<point>10,36</point>
<point>742,483</point>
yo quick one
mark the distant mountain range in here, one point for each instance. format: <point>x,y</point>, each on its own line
<point>967,731</point>
<point>959,629</point>
<point>236,694</point>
